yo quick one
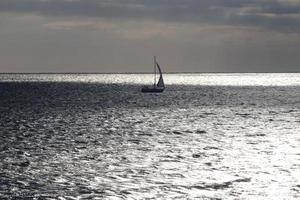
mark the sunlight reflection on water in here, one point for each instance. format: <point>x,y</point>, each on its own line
<point>200,138</point>
<point>230,79</point>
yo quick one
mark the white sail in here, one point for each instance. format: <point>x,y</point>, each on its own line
<point>161,80</point>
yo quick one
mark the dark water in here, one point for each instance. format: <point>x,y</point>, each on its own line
<point>97,140</point>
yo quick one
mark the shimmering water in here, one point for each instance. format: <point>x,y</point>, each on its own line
<point>208,136</point>
<point>236,79</point>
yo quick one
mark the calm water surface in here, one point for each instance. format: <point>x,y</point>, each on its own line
<point>95,136</point>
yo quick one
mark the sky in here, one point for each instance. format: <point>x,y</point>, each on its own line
<point>123,35</point>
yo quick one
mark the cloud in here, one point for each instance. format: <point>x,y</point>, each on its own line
<point>282,15</point>
<point>130,29</point>
<point>68,25</point>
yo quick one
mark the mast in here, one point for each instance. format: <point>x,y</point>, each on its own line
<point>154,59</point>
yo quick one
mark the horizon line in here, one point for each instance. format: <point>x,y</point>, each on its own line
<point>149,72</point>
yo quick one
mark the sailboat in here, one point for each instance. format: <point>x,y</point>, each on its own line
<point>156,87</point>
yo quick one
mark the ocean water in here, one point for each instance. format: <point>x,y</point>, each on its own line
<point>96,136</point>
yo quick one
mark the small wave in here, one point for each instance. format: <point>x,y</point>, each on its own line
<point>146,134</point>
<point>198,155</point>
<point>25,163</point>
<point>218,186</point>
<point>177,133</point>
<point>135,141</point>
<point>243,114</point>
<point>296,188</point>
<point>211,148</point>
<point>201,131</point>
<point>256,135</point>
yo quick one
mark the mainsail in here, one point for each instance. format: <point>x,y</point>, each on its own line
<point>157,86</point>
<point>160,80</point>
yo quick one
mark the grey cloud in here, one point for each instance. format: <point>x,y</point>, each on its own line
<point>280,15</point>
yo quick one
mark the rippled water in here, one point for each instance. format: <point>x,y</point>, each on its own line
<point>235,79</point>
<point>208,136</point>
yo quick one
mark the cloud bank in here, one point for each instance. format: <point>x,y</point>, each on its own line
<point>274,14</point>
<point>122,35</point>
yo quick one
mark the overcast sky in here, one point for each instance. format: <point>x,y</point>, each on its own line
<point>123,35</point>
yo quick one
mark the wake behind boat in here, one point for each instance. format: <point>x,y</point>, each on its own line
<point>156,87</point>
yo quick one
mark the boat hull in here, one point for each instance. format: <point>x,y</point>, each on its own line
<point>152,90</point>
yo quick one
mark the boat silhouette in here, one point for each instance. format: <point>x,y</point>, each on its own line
<point>156,87</point>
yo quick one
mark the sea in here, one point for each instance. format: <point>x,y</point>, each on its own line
<point>96,136</point>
